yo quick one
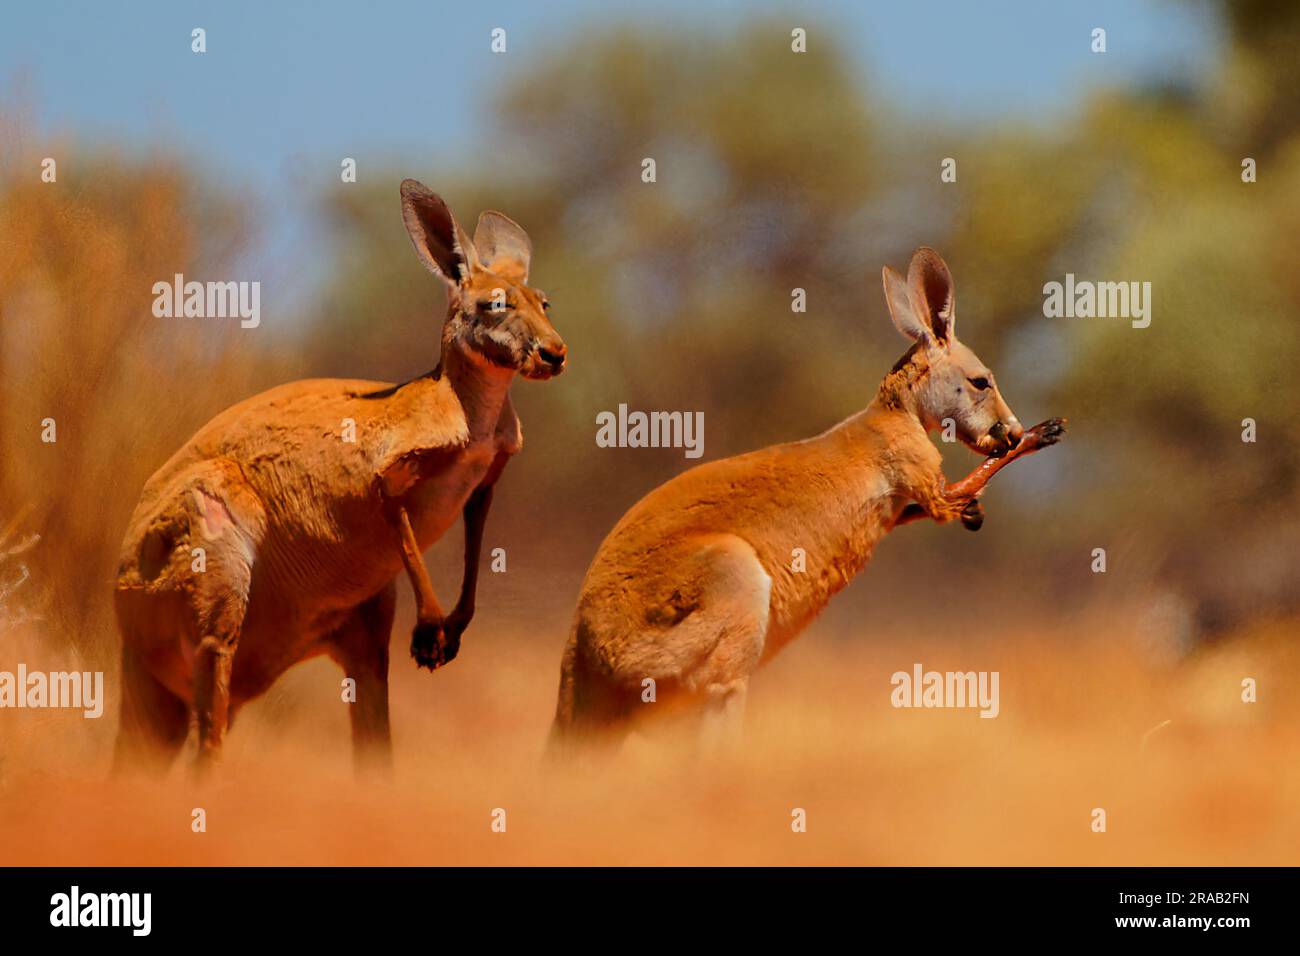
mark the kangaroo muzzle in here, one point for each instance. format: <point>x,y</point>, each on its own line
<point>1005,436</point>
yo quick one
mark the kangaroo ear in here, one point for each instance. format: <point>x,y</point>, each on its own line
<point>900,308</point>
<point>503,246</point>
<point>930,287</point>
<point>439,240</point>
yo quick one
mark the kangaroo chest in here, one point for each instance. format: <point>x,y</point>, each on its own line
<point>438,450</point>
<point>831,543</point>
<point>435,502</point>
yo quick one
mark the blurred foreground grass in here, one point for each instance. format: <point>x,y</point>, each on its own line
<point>1216,785</point>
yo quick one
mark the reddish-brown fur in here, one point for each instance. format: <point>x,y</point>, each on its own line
<point>303,533</point>
<point>696,587</point>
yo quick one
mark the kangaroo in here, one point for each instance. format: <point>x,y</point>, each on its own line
<point>695,587</point>
<point>277,532</point>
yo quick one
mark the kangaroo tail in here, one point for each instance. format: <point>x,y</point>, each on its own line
<point>558,744</point>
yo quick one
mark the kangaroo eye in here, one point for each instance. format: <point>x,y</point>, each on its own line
<point>980,382</point>
<point>545,304</point>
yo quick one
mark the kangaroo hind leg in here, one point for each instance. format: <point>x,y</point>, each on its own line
<point>360,646</point>
<point>154,721</point>
<point>719,640</point>
<point>225,523</point>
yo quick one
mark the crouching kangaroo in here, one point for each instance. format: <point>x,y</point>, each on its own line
<point>694,588</point>
<point>276,533</point>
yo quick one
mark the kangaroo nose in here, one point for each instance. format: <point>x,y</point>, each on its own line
<point>1016,431</point>
<point>553,356</point>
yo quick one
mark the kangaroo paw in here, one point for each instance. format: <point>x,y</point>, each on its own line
<point>972,516</point>
<point>1044,434</point>
<point>430,646</point>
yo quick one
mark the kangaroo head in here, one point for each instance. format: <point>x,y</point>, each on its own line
<point>494,318</point>
<point>947,380</point>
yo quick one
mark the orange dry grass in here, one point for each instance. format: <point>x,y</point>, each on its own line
<point>880,786</point>
<point>79,345</point>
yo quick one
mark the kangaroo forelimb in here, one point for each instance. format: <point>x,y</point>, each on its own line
<point>476,512</point>
<point>426,602</point>
<point>429,642</point>
<point>961,493</point>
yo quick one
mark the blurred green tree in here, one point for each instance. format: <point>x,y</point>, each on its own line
<point>776,171</point>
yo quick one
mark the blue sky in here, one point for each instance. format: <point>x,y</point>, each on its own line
<point>286,89</point>
<point>284,83</point>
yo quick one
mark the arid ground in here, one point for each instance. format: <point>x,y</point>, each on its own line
<point>1217,784</point>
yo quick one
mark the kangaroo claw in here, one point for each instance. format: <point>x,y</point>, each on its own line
<point>1044,434</point>
<point>972,516</point>
<point>431,646</point>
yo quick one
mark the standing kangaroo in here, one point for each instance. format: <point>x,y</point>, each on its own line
<point>694,587</point>
<point>277,532</point>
